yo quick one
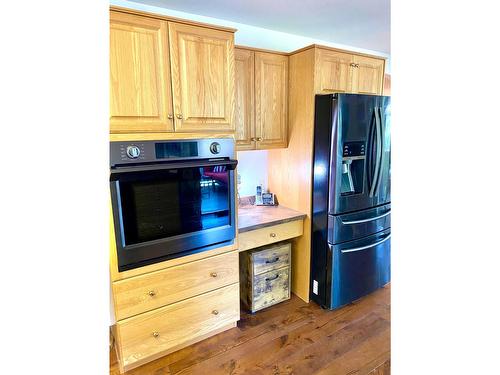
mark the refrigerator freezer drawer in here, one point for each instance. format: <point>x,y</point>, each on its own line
<point>359,268</point>
<point>348,227</point>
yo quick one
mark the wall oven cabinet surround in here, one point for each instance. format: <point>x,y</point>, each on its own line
<point>171,198</point>
<point>261,110</point>
<point>169,76</point>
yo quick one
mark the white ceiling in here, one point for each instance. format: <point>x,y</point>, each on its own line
<point>359,23</point>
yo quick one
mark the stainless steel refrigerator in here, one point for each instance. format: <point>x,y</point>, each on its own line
<point>351,198</point>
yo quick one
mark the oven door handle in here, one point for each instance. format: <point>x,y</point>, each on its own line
<point>229,164</point>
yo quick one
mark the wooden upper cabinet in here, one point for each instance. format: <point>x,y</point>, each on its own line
<point>244,99</point>
<point>368,76</point>
<point>271,100</point>
<point>140,92</point>
<point>202,65</point>
<point>334,71</point>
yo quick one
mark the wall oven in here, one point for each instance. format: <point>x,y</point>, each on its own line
<point>171,198</point>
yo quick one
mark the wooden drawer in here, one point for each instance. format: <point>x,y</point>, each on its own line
<point>268,235</point>
<point>147,292</point>
<point>153,334</point>
<point>270,259</point>
<point>270,288</point>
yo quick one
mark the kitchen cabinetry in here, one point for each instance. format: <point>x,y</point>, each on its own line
<point>140,92</point>
<point>202,77</point>
<point>169,76</point>
<point>348,73</point>
<point>261,100</point>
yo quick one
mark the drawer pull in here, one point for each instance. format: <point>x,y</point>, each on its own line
<point>273,235</point>
<point>272,278</point>
<point>152,293</point>
<point>156,335</point>
<point>215,312</point>
<point>273,261</point>
<point>213,274</point>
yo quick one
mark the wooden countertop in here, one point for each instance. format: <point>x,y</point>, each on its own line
<point>255,217</point>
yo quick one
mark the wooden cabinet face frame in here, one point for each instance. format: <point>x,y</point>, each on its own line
<point>244,99</point>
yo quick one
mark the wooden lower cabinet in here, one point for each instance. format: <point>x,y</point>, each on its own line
<point>142,293</point>
<point>268,235</point>
<point>148,336</point>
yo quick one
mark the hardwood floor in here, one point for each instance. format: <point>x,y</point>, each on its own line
<point>291,338</point>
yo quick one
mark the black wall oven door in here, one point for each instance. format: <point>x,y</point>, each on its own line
<point>167,210</point>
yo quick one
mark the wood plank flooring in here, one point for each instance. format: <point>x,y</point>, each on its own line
<point>293,337</point>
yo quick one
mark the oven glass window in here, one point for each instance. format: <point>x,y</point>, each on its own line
<point>160,204</point>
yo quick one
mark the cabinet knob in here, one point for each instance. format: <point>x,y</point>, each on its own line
<point>213,274</point>
<point>357,65</point>
<point>353,65</point>
<point>253,139</point>
<point>272,235</point>
<point>179,116</point>
<point>170,116</point>
<point>152,293</point>
<point>215,312</point>
<point>156,334</point>
<point>259,139</point>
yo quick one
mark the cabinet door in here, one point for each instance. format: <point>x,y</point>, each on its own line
<point>202,62</point>
<point>368,77</point>
<point>140,92</point>
<point>334,71</point>
<point>271,100</point>
<point>244,106</point>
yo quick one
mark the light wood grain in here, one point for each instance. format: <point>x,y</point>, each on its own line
<point>202,67</point>
<point>368,76</point>
<point>387,85</point>
<point>291,168</point>
<point>166,136</point>
<point>268,235</point>
<point>140,92</point>
<point>271,100</point>
<point>176,324</point>
<point>147,292</point>
<point>170,18</point>
<point>244,103</point>
<point>333,71</point>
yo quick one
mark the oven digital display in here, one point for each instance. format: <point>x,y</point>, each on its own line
<point>176,150</point>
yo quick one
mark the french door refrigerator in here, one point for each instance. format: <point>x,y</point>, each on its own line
<point>351,198</point>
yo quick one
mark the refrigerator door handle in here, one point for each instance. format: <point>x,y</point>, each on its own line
<point>371,142</point>
<point>366,220</point>
<point>378,151</point>
<point>381,133</point>
<point>365,247</point>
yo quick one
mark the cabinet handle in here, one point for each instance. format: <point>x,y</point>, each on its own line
<point>156,335</point>
<point>357,65</point>
<point>253,139</point>
<point>272,278</point>
<point>170,116</point>
<point>273,261</point>
<point>215,312</point>
<point>152,293</point>
<point>179,116</point>
<point>259,139</point>
<point>213,274</point>
<point>353,65</point>
<point>272,235</point>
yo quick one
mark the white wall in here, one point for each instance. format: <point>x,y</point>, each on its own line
<point>252,170</point>
<point>251,36</point>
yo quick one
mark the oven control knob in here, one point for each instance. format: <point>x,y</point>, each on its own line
<point>215,148</point>
<point>133,152</point>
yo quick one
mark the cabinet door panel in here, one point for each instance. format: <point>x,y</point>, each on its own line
<point>244,105</point>
<point>140,92</point>
<point>335,71</point>
<point>271,100</point>
<point>202,78</point>
<point>368,76</point>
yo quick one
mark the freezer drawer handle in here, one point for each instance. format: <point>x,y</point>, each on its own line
<point>366,220</point>
<point>365,247</point>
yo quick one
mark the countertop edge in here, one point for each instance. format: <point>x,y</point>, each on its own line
<point>271,223</point>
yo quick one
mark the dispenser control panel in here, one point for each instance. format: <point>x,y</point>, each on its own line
<point>351,149</point>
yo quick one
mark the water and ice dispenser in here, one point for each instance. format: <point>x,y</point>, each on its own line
<point>353,166</point>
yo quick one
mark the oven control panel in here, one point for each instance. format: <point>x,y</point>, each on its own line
<point>130,152</point>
